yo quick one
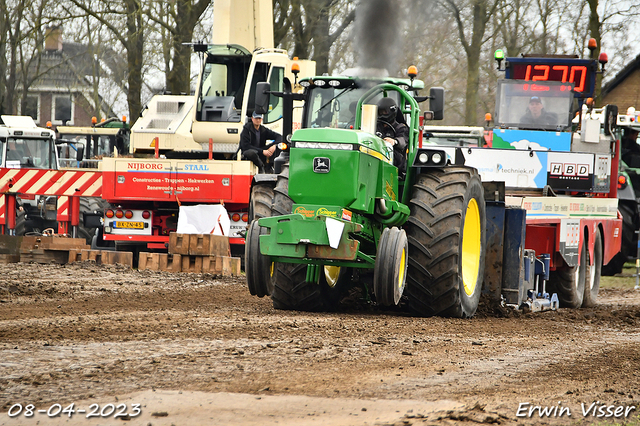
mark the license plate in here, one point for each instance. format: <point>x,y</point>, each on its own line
<point>129,225</point>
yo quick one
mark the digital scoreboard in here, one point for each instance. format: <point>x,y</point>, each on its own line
<point>580,72</point>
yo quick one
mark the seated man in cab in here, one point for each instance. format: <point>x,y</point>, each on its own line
<point>253,143</point>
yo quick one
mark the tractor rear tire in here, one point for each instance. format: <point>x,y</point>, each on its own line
<point>21,222</point>
<point>261,200</point>
<point>446,233</point>
<point>569,281</point>
<point>390,272</point>
<point>291,290</point>
<point>89,205</point>
<point>592,282</point>
<point>258,267</point>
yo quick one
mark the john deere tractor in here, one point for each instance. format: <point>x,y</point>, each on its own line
<point>343,216</point>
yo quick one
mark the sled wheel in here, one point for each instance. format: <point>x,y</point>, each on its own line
<point>593,274</point>
<point>446,236</point>
<point>569,282</point>
<point>258,267</point>
<point>390,271</point>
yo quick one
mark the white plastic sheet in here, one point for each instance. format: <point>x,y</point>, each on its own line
<point>334,232</point>
<point>203,219</point>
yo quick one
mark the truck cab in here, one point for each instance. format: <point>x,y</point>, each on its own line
<point>25,145</point>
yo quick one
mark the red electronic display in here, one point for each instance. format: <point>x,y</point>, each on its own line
<point>580,72</point>
<point>576,74</point>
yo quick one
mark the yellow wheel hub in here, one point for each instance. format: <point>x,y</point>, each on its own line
<point>401,274</point>
<point>471,237</point>
<point>331,273</point>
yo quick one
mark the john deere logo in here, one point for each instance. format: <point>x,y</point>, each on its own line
<point>321,165</point>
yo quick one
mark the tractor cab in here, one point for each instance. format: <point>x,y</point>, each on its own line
<point>332,101</point>
<point>105,139</point>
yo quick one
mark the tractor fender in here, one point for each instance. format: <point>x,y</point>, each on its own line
<point>265,177</point>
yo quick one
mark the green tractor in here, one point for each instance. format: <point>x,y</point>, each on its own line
<point>343,216</point>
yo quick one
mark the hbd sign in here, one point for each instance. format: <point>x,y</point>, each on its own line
<point>569,170</point>
<point>572,171</point>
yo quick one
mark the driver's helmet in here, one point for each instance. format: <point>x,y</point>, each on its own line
<point>387,110</point>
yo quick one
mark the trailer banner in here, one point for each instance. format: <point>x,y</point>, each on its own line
<point>558,207</point>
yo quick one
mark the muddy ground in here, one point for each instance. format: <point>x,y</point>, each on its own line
<point>196,349</point>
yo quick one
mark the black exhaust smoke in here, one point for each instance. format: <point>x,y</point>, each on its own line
<point>377,34</point>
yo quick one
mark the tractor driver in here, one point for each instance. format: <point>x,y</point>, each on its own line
<point>536,114</point>
<point>393,132</point>
<point>253,141</point>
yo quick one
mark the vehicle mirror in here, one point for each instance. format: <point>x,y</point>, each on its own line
<point>263,90</point>
<point>436,103</point>
<point>610,119</point>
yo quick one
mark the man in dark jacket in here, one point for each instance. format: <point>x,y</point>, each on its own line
<point>536,114</point>
<point>253,141</point>
<point>393,132</point>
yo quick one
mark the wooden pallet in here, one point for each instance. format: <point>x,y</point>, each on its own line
<point>101,257</point>
<point>10,244</point>
<point>160,262</point>
<point>9,258</point>
<point>199,244</point>
<point>219,265</point>
<point>39,249</point>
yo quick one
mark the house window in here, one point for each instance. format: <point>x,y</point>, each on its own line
<point>32,107</point>
<point>62,110</point>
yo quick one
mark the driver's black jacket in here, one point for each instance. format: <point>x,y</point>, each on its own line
<point>399,132</point>
<point>249,141</point>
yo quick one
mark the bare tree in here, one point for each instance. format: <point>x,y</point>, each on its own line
<point>178,19</point>
<point>608,16</point>
<point>474,14</point>
<point>125,20</point>
<point>311,27</point>
<point>20,44</point>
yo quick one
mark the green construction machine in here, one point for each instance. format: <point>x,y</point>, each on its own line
<point>343,215</point>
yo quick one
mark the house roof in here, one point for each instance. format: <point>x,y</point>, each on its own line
<point>621,76</point>
<point>72,68</point>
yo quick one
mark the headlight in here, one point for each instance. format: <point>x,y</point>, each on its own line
<point>424,157</point>
<point>436,158</point>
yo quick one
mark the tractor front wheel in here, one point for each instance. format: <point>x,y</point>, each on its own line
<point>258,267</point>
<point>446,233</point>
<point>390,272</point>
